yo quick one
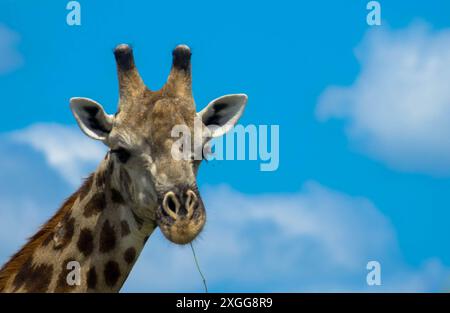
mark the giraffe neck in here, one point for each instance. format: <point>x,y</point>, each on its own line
<point>89,245</point>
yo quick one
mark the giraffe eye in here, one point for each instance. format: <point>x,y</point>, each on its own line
<point>122,153</point>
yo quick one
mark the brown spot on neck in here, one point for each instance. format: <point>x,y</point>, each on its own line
<point>129,255</point>
<point>92,278</point>
<point>116,197</point>
<point>85,242</point>
<point>111,273</point>
<point>40,278</point>
<point>23,274</point>
<point>95,205</point>
<point>33,278</point>
<point>107,237</point>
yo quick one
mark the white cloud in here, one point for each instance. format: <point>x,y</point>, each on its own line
<point>10,58</point>
<point>314,240</point>
<point>398,108</point>
<point>30,192</point>
<point>65,148</point>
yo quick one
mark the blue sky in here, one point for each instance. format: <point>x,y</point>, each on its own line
<point>364,155</point>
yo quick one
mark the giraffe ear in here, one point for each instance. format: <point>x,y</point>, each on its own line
<point>221,114</point>
<point>92,118</point>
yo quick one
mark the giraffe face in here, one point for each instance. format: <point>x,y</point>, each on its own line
<point>160,185</point>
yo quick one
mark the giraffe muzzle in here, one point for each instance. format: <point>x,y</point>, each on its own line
<point>181,216</point>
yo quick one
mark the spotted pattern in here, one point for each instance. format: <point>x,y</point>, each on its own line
<point>33,278</point>
<point>86,242</point>
<point>95,205</point>
<point>92,278</point>
<point>111,273</point>
<point>107,237</point>
<point>129,255</point>
<point>116,197</point>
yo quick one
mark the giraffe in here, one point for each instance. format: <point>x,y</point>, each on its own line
<point>136,188</point>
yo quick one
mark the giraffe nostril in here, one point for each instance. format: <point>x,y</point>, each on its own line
<point>171,205</point>
<point>191,202</point>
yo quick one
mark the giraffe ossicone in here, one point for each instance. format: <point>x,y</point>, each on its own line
<point>137,187</point>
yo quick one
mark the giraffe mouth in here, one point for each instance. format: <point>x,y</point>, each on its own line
<point>181,218</point>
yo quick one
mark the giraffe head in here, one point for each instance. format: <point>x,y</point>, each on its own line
<point>160,187</point>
